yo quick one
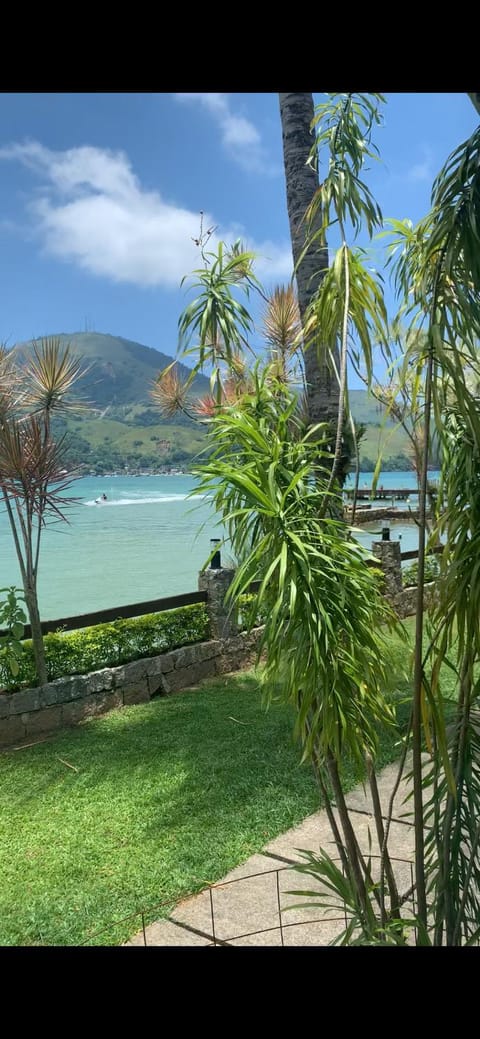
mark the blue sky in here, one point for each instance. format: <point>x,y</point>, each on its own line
<point>101,193</point>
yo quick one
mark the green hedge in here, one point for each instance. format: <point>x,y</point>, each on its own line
<point>410,573</point>
<point>107,645</point>
<point>248,615</point>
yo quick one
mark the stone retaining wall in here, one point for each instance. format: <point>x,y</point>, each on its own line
<point>66,701</point>
<point>405,602</point>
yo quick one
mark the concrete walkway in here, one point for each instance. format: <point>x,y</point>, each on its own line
<point>249,905</point>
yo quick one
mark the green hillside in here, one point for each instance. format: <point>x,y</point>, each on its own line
<point>107,445</point>
<point>120,371</point>
<point>366,409</point>
<point>123,429</point>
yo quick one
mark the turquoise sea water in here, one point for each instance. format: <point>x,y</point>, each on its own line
<point>144,542</point>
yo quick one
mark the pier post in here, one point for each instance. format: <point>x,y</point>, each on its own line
<point>388,554</point>
<point>223,620</point>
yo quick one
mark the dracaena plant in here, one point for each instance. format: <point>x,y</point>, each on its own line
<point>34,471</point>
<point>268,475</point>
<point>229,355</point>
<point>216,319</point>
<point>271,480</point>
<point>274,487</point>
<point>401,394</point>
<point>437,273</point>
<point>348,308</point>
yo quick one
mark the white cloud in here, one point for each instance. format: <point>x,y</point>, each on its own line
<point>240,137</point>
<point>92,210</point>
<point>422,171</point>
<point>274,262</point>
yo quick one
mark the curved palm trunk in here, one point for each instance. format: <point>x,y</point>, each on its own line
<point>296,111</point>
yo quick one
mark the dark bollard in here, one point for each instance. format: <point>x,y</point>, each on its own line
<point>385,533</point>
<point>216,563</point>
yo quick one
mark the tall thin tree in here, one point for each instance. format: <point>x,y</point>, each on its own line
<point>310,252</point>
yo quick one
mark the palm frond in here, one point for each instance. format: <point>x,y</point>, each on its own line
<point>205,407</point>
<point>34,469</point>
<point>51,372</point>
<point>344,125</point>
<point>366,315</point>
<point>281,321</point>
<point>10,383</point>
<point>216,317</point>
<point>171,392</point>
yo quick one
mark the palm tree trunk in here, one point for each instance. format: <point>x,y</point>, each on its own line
<point>297,111</point>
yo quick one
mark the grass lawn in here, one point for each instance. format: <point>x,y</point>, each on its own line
<point>160,799</point>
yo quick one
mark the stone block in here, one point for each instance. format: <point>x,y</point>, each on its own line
<point>167,661</point>
<point>185,656</point>
<point>156,686</point>
<point>24,701</point>
<point>223,665</point>
<point>5,702</point>
<point>136,692</point>
<point>233,645</point>
<point>51,694</point>
<point>12,730</point>
<point>45,720</point>
<point>388,554</point>
<point>153,665</point>
<point>133,672</point>
<point>97,681</point>
<point>238,653</point>
<point>405,602</point>
<point>73,712</point>
<point>91,706</point>
<point>184,678</point>
<point>209,650</point>
<point>100,703</point>
<point>64,689</point>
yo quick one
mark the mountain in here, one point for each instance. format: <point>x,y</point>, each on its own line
<point>366,409</point>
<point>121,371</point>
<point>125,430</point>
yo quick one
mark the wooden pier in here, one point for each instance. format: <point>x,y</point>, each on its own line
<point>382,493</point>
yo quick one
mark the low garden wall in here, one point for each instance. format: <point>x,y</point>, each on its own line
<point>29,713</point>
<point>405,602</point>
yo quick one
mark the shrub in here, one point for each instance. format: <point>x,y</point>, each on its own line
<point>245,607</point>
<point>410,573</point>
<point>108,645</point>
<point>12,621</point>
